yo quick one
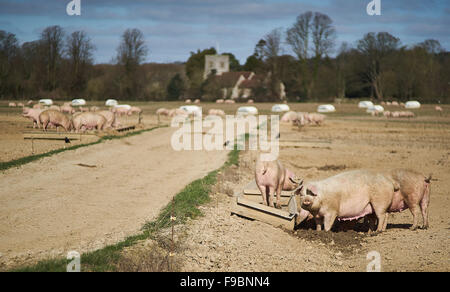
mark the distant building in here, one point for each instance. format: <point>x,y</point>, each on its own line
<point>235,84</point>
<point>216,63</point>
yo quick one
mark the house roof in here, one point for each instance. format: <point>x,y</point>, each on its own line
<point>229,79</point>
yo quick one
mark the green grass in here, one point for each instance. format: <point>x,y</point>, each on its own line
<point>185,205</point>
<point>31,158</point>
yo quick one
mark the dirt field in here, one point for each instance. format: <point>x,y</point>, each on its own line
<point>40,217</point>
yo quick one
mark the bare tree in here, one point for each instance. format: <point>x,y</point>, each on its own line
<point>52,40</point>
<point>376,48</point>
<point>323,35</point>
<point>132,51</point>
<point>432,46</point>
<point>79,50</point>
<point>270,49</point>
<point>298,35</point>
<point>315,28</point>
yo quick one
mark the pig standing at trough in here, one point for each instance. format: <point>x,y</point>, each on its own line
<point>110,119</point>
<point>348,196</point>
<point>88,121</point>
<point>54,118</point>
<point>33,115</point>
<point>414,193</point>
<point>271,177</point>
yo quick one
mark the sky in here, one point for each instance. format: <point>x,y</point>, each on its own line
<point>174,28</point>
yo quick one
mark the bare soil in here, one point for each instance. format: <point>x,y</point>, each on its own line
<point>59,203</point>
<point>221,242</point>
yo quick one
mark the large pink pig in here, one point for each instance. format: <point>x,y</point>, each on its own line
<point>414,193</point>
<point>54,118</point>
<point>348,196</point>
<point>271,177</point>
<point>33,115</point>
<point>110,119</point>
<point>88,121</point>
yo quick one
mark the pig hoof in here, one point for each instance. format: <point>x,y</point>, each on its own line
<point>413,228</point>
<point>278,206</point>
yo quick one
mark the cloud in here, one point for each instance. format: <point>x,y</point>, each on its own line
<point>175,27</point>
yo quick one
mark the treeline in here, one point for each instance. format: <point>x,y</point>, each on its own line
<point>379,66</point>
<point>303,57</point>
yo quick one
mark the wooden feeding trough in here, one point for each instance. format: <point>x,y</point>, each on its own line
<point>39,135</point>
<point>249,204</point>
<point>305,143</point>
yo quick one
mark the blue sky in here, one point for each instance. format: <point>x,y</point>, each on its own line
<point>174,28</point>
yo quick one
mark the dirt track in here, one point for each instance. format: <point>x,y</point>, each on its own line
<point>54,205</point>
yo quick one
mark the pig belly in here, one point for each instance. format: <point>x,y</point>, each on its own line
<point>349,216</point>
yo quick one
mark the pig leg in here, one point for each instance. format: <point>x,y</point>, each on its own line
<point>262,189</point>
<point>270,193</point>
<point>424,207</point>
<point>319,221</point>
<point>415,211</point>
<point>279,189</point>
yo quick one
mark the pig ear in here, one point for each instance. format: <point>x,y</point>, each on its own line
<point>296,181</point>
<point>312,190</point>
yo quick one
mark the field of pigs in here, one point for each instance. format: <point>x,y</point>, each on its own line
<point>87,198</point>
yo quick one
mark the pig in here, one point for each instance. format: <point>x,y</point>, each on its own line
<point>395,103</point>
<point>177,112</point>
<point>271,177</point>
<point>188,101</point>
<point>20,104</point>
<point>120,111</point>
<point>438,108</point>
<point>54,118</point>
<point>12,104</point>
<point>348,196</point>
<point>220,101</point>
<point>83,109</point>
<point>55,107</point>
<point>110,119</point>
<point>414,193</point>
<point>134,110</point>
<point>250,101</point>
<point>162,112</point>
<point>197,101</point>
<point>94,109</point>
<point>216,112</point>
<point>67,109</point>
<point>30,102</point>
<point>88,121</point>
<point>316,119</point>
<point>289,117</point>
<point>38,106</point>
<point>32,114</point>
<point>229,101</point>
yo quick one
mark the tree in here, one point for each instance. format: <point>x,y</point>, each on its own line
<point>376,48</point>
<point>176,88</point>
<point>195,67</point>
<point>52,41</point>
<point>269,48</point>
<point>9,50</point>
<point>79,51</point>
<point>316,29</point>
<point>131,52</point>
